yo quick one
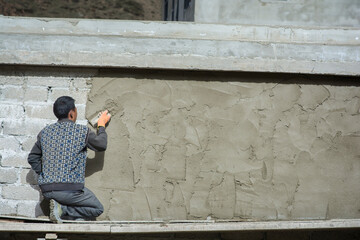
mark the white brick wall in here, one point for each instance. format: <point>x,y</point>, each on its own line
<point>8,175</point>
<point>12,111</point>
<point>8,143</point>
<point>28,176</point>
<point>29,208</point>
<point>36,94</point>
<point>14,159</point>
<point>27,143</point>
<point>25,108</point>
<point>8,207</point>
<point>24,192</point>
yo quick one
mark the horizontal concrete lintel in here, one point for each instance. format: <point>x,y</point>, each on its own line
<point>171,45</point>
<point>179,30</point>
<point>143,227</point>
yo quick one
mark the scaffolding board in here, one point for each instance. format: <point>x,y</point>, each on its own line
<point>18,224</point>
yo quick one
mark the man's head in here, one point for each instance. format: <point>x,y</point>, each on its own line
<point>64,107</point>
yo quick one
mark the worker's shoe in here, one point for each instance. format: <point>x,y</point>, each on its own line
<point>55,211</point>
<point>80,219</point>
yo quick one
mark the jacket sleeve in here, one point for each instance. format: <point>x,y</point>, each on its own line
<point>34,158</point>
<point>97,141</point>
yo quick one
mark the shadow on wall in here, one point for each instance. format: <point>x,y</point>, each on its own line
<point>42,207</point>
<point>95,164</point>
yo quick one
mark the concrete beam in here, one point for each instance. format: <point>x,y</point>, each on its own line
<point>151,227</point>
<point>172,45</point>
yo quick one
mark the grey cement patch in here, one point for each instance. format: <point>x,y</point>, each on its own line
<point>226,148</point>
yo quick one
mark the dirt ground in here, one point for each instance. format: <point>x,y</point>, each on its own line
<point>95,9</point>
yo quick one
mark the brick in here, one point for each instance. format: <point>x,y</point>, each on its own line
<point>8,207</point>
<point>28,176</point>
<point>11,80</point>
<point>36,94</point>
<point>9,143</point>
<point>40,111</point>
<point>15,160</point>
<point>80,83</point>
<point>11,111</point>
<point>27,143</point>
<point>24,192</point>
<point>28,209</point>
<point>55,93</point>
<point>48,81</point>
<point>15,93</point>
<point>34,126</point>
<point>27,127</point>
<point>80,96</point>
<point>81,111</point>
<point>8,175</point>
<point>13,127</point>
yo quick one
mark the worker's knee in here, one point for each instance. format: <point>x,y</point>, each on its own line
<point>99,210</point>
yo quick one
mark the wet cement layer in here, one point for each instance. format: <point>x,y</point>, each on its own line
<point>226,146</point>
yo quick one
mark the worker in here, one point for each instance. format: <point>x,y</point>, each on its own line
<point>59,158</point>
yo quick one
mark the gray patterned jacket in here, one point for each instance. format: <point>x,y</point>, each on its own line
<point>59,154</point>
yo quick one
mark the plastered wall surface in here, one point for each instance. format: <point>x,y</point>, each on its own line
<point>187,145</point>
<point>227,146</point>
<point>321,13</point>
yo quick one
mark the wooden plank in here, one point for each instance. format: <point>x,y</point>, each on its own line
<point>238,226</point>
<point>23,219</point>
<point>152,227</point>
<point>55,228</point>
<point>44,219</point>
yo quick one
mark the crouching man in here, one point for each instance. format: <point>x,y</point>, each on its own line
<point>59,158</point>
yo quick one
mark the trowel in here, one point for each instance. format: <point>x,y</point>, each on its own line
<point>94,119</point>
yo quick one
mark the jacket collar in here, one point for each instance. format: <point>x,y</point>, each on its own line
<point>64,120</point>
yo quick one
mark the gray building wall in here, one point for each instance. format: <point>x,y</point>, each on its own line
<point>319,13</point>
<point>186,144</point>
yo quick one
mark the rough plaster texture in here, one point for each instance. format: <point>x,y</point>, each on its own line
<point>227,146</point>
<point>26,99</point>
<point>188,145</point>
<point>325,13</point>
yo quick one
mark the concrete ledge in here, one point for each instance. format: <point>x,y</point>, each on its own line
<point>150,227</point>
<point>171,45</point>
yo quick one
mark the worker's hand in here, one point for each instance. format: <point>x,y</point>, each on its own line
<point>104,118</point>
